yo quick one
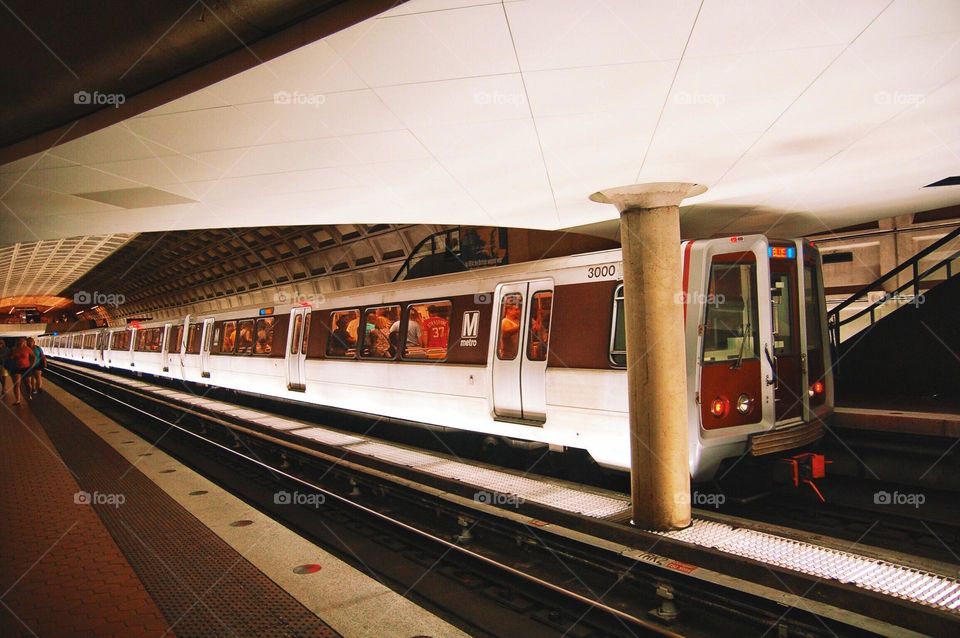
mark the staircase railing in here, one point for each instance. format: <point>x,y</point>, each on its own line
<point>833,315</point>
<point>439,242</point>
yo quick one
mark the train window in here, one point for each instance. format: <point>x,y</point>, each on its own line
<point>730,327</point>
<point>193,339</point>
<point>148,340</point>
<point>306,334</point>
<point>343,333</point>
<point>783,340</point>
<point>245,337</point>
<point>377,324</point>
<point>89,341</point>
<point>427,333</point>
<point>295,341</point>
<point>814,336</point>
<point>175,338</point>
<point>538,337</point>
<point>618,337</point>
<point>229,343</point>
<point>511,311</point>
<point>263,342</point>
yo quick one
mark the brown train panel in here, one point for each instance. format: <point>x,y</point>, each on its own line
<point>580,325</point>
<point>319,333</point>
<point>464,349</point>
<point>279,342</point>
<point>719,379</point>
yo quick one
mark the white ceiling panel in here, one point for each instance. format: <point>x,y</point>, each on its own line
<point>114,143</point>
<point>76,179</point>
<point>426,47</point>
<point>477,99</point>
<point>315,69</point>
<point>451,111</point>
<point>587,151</point>
<point>37,161</point>
<point>558,35</point>
<point>203,130</point>
<point>743,26</point>
<point>331,115</point>
<point>622,87</point>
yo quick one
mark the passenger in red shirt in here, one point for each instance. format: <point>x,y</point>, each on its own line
<point>436,328</point>
<point>23,359</point>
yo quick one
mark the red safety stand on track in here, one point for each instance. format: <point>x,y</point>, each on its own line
<point>804,469</point>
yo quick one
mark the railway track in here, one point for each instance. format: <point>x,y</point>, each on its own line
<point>475,570</point>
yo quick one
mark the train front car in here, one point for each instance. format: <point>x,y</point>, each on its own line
<point>759,377</point>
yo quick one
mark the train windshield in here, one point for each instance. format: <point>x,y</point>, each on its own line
<point>731,330</point>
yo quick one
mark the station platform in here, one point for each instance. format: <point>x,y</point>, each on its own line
<point>898,421</point>
<point>102,534</point>
<point>715,549</point>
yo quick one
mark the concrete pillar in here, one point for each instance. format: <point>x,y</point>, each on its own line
<point>656,359</point>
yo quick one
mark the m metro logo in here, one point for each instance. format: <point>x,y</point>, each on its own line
<point>471,328</point>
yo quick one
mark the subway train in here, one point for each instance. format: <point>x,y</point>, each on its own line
<point>529,354</point>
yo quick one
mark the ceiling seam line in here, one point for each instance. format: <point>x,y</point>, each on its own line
<point>666,98</point>
<point>533,120</point>
<point>802,93</point>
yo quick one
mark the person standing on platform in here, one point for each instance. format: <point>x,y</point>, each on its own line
<point>23,359</point>
<point>35,380</point>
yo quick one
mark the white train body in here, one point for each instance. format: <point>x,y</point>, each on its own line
<point>563,386</point>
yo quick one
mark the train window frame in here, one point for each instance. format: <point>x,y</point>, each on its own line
<point>219,338</point>
<point>269,342</point>
<point>331,329</point>
<point>618,303</point>
<point>404,327</point>
<point>754,307</point>
<point>531,339</point>
<point>520,327</point>
<point>363,314</point>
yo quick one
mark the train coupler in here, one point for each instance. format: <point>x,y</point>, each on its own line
<point>803,469</point>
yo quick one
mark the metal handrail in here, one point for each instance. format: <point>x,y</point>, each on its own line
<point>833,315</point>
<point>415,253</point>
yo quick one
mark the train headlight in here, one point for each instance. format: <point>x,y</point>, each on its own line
<point>744,403</point>
<point>719,407</point>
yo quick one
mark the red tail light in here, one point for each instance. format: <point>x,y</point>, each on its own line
<point>818,387</point>
<point>719,407</point>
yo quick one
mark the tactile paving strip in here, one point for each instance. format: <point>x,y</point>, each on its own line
<point>533,490</point>
<point>394,454</point>
<point>201,584</point>
<point>899,581</point>
<point>328,437</point>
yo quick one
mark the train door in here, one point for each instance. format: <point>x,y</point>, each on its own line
<point>521,338</point>
<point>165,347</point>
<point>298,337</point>
<point>789,393</point>
<point>205,338</point>
<point>816,366</point>
<point>103,344</point>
